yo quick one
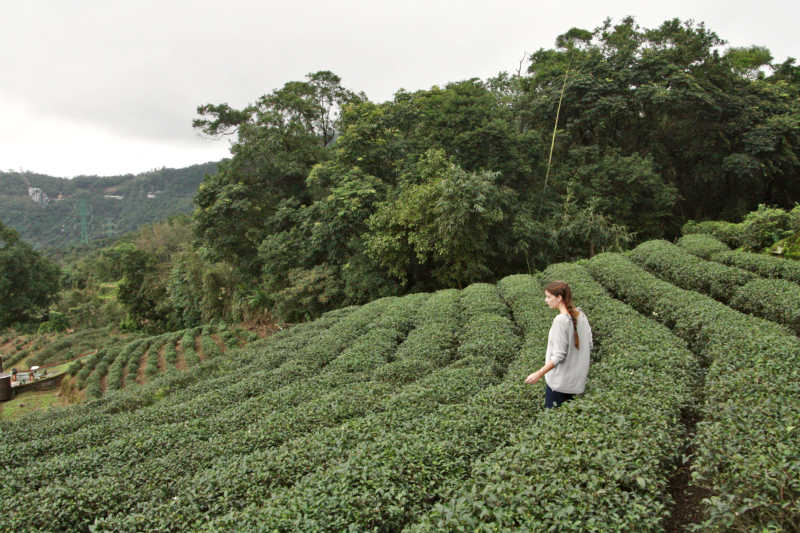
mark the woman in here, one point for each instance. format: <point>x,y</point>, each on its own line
<point>569,342</point>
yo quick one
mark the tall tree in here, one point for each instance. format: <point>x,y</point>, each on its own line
<point>29,283</point>
<point>279,139</point>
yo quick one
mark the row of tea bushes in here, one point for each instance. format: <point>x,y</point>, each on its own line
<point>766,266</point>
<point>690,272</point>
<point>190,356</point>
<point>525,297</point>
<point>601,462</point>
<point>386,481</point>
<point>152,459</point>
<point>773,299</point>
<point>746,443</point>
<point>232,483</point>
<point>729,233</point>
<point>705,246</point>
<point>207,398</point>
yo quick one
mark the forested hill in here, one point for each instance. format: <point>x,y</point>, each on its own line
<point>112,205</point>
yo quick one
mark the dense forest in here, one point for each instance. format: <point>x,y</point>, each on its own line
<point>330,199</point>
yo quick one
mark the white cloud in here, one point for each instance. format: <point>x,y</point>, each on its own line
<point>119,74</point>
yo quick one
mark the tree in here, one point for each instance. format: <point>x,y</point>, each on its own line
<point>29,283</point>
<point>279,139</point>
<point>441,226</point>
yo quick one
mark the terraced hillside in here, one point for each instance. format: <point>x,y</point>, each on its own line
<point>410,414</point>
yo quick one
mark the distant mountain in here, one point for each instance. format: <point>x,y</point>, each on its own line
<point>51,212</point>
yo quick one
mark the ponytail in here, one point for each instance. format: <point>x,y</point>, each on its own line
<point>560,288</point>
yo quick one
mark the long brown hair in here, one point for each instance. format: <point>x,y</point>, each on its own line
<point>561,288</point>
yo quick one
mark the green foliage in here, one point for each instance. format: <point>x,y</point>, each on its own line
<point>788,247</point>
<point>749,409</point>
<point>441,221</point>
<point>773,299</point>
<point>145,198</point>
<point>702,245</point>
<point>627,189</point>
<point>279,139</point>
<point>689,272</point>
<point>418,400</point>
<point>56,322</point>
<point>621,483</point>
<point>28,281</point>
<point>765,226</point>
<point>727,232</point>
<point>763,265</point>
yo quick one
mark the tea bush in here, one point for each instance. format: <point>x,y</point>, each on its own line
<point>763,265</point>
<point>776,300</point>
<point>702,245</point>
<point>746,447</point>
<point>689,272</point>
<point>773,299</point>
<point>601,462</point>
<point>728,232</point>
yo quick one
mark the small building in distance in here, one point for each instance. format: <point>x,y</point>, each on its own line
<point>38,195</point>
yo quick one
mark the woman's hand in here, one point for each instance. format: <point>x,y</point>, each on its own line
<point>536,376</point>
<point>533,378</point>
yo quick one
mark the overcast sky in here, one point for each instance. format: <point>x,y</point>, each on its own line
<point>111,87</point>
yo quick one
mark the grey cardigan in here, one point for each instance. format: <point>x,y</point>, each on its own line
<point>571,363</point>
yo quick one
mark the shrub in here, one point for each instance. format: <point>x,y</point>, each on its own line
<point>763,265</point>
<point>728,232</point>
<point>745,454</point>
<point>764,226</point>
<point>645,381</point>
<point>56,322</point>
<point>702,245</point>
<point>773,299</point>
<point>690,272</point>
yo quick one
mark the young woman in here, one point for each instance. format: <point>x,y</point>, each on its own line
<point>566,363</point>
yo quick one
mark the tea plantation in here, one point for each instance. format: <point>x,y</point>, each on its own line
<point>410,414</point>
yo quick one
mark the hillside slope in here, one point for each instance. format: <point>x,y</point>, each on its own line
<point>113,205</point>
<point>409,413</point>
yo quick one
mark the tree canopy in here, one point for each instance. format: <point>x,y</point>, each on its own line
<point>330,199</point>
<point>28,281</point>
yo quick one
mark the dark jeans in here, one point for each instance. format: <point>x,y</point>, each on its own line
<point>554,398</point>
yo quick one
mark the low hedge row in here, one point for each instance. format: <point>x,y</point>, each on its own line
<point>189,445</point>
<point>776,300</point>
<point>525,296</point>
<point>702,245</point>
<point>602,462</point>
<point>213,395</point>
<point>227,486</point>
<point>151,368</point>
<point>728,232</point>
<point>231,483</point>
<point>89,364</point>
<point>690,272</point>
<point>126,362</point>
<point>746,443</point>
<point>190,357</point>
<point>209,347</point>
<point>763,265</point>
<point>384,483</point>
<point>200,401</point>
<point>766,266</point>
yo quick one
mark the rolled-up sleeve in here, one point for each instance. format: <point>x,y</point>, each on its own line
<point>558,340</point>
